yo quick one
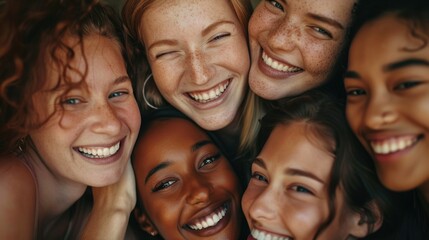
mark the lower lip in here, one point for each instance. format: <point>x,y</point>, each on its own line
<point>108,160</point>
<point>214,103</point>
<point>218,227</point>
<point>273,73</point>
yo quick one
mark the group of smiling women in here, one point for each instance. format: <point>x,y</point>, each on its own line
<point>186,119</point>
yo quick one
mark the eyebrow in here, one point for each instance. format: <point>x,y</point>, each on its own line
<point>156,169</point>
<point>326,20</point>
<point>405,63</point>
<point>215,25</point>
<point>163,165</point>
<point>302,173</point>
<point>121,79</point>
<point>200,144</point>
<point>393,66</point>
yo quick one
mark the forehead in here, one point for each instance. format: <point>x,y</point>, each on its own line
<point>338,10</point>
<point>397,38</point>
<point>185,15</point>
<point>297,145</point>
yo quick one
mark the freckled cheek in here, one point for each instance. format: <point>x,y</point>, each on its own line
<point>321,59</point>
<point>166,80</point>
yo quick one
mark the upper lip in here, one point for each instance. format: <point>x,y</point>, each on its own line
<point>204,211</point>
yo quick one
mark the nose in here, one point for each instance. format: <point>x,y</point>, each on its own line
<point>200,68</point>
<point>199,191</point>
<point>380,111</point>
<point>105,120</point>
<point>264,206</point>
<point>284,35</point>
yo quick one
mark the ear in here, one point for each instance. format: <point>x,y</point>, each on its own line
<point>362,222</point>
<point>144,222</point>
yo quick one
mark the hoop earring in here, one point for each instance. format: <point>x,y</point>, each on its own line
<point>144,94</point>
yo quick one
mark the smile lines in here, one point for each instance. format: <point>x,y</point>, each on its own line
<point>277,65</point>
<point>100,152</point>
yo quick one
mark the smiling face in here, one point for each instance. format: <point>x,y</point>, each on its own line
<point>188,189</point>
<point>287,196</point>
<point>387,103</point>
<point>294,44</point>
<point>199,58</point>
<point>90,131</point>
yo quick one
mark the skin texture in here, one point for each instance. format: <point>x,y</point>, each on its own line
<point>387,105</point>
<point>203,54</point>
<point>305,37</point>
<point>287,195</point>
<point>98,113</point>
<point>192,181</point>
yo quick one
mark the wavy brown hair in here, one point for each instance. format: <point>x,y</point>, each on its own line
<point>32,35</point>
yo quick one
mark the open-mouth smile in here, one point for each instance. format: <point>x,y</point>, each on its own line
<point>393,145</point>
<point>99,152</point>
<point>210,220</point>
<point>211,94</point>
<point>278,65</point>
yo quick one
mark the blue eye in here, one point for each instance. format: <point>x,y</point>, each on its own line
<point>259,177</point>
<point>276,4</point>
<point>210,160</point>
<point>117,94</point>
<point>322,31</point>
<point>301,189</point>
<point>71,101</point>
<point>163,185</point>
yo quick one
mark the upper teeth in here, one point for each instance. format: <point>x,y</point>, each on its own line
<point>277,65</point>
<point>392,145</point>
<point>100,152</point>
<point>261,235</point>
<point>211,94</point>
<point>210,220</point>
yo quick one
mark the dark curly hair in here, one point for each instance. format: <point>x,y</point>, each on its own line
<point>31,33</point>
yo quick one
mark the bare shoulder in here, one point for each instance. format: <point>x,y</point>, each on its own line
<point>18,199</point>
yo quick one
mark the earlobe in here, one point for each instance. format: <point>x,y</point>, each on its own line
<point>364,224</point>
<point>144,222</point>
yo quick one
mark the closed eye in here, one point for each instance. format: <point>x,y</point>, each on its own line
<point>220,36</point>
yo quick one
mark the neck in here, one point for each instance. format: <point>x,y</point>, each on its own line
<point>55,193</point>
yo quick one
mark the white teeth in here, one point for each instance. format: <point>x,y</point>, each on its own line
<point>262,235</point>
<point>392,145</point>
<point>277,65</point>
<point>100,152</point>
<point>210,220</point>
<point>211,94</point>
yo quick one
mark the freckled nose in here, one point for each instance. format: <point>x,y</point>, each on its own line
<point>106,120</point>
<point>283,36</point>
<point>200,68</point>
